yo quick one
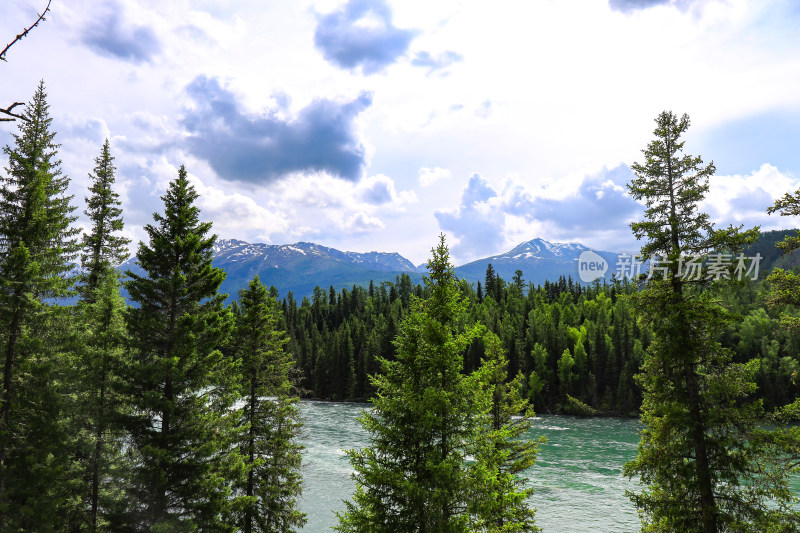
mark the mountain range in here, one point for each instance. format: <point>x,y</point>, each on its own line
<point>301,266</point>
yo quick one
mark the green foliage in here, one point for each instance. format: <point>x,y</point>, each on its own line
<point>429,416</point>
<point>37,243</point>
<point>706,463</point>
<point>414,476</point>
<point>576,407</point>
<point>99,357</point>
<point>565,377</point>
<point>267,492</point>
<point>503,451</point>
<point>335,339</point>
<point>102,249</point>
<point>180,384</point>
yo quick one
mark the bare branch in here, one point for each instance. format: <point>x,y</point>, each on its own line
<point>25,32</point>
<point>7,111</point>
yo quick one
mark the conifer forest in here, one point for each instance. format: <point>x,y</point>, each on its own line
<point>170,411</point>
<point>144,399</point>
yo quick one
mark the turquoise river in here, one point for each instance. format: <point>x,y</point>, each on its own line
<point>577,477</point>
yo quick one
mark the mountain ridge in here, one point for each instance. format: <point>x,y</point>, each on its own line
<point>301,266</point>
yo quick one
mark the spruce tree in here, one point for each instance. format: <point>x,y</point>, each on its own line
<point>703,458</point>
<point>181,386</point>
<point>103,248</point>
<point>502,451</point>
<point>37,245</point>
<point>413,475</point>
<point>99,357</point>
<point>99,400</point>
<point>267,494</point>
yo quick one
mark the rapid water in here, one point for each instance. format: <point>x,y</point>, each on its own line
<point>577,476</point>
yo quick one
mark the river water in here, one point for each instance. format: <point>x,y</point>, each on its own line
<point>577,476</point>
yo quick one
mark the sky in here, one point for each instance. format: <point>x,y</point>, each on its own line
<point>377,125</point>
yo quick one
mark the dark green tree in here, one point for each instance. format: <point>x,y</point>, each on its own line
<point>785,284</point>
<point>103,247</point>
<point>98,402</point>
<point>37,245</point>
<point>101,344</point>
<point>267,493</point>
<point>503,451</point>
<point>181,386</point>
<point>706,464</point>
<point>413,476</point>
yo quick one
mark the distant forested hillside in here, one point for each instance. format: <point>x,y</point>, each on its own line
<point>567,339</point>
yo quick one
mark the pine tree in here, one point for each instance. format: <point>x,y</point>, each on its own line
<point>181,386</point>
<point>706,464</point>
<point>503,451</point>
<point>37,244</point>
<point>268,492</point>
<point>102,248</point>
<point>414,476</point>
<point>490,280</point>
<point>102,356</point>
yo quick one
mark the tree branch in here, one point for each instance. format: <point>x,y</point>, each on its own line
<point>24,33</point>
<point>7,111</point>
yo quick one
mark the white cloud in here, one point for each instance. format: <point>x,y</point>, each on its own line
<point>236,215</point>
<point>428,176</point>
<point>362,222</point>
<point>571,86</point>
<point>744,199</point>
<point>380,190</point>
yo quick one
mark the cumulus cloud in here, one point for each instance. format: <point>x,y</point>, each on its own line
<point>361,34</point>
<point>596,210</point>
<point>601,200</point>
<point>380,190</point>
<point>489,220</point>
<point>325,192</point>
<point>439,62</point>
<point>744,199</point>
<point>477,224</point>
<point>329,207</point>
<point>111,36</point>
<point>240,215</point>
<point>264,148</point>
<point>362,223</point>
<point>429,176</point>
<point>94,130</point>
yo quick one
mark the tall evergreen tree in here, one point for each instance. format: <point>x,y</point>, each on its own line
<point>502,452</point>
<point>702,457</point>
<point>413,476</point>
<point>37,244</point>
<point>182,387</point>
<point>268,492</point>
<point>98,403</point>
<point>102,356</point>
<point>103,247</point>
